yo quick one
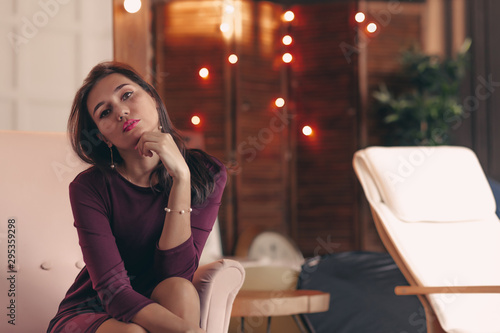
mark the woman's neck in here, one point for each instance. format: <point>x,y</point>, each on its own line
<point>137,169</point>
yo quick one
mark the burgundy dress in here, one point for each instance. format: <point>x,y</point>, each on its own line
<point>118,226</point>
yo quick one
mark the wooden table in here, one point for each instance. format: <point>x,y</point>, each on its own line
<point>260,303</point>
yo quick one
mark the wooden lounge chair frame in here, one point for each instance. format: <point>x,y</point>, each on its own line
<point>415,286</point>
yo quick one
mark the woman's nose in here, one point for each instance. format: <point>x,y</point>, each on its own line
<point>122,113</point>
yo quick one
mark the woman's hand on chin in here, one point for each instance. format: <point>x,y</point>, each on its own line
<point>164,146</point>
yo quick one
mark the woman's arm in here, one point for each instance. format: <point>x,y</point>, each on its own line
<point>182,260</point>
<point>177,226</point>
<point>91,211</point>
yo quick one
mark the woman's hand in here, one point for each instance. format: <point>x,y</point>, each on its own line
<point>164,146</point>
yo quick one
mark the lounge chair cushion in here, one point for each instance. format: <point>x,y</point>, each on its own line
<point>406,186</point>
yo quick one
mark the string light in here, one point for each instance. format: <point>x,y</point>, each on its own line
<point>233,58</point>
<point>307,130</point>
<point>204,72</point>
<point>287,58</point>
<point>287,40</point>
<point>195,120</point>
<point>289,16</point>
<point>132,6</point>
<point>360,17</point>
<point>279,102</point>
<point>371,28</point>
<point>225,27</point>
<point>229,9</point>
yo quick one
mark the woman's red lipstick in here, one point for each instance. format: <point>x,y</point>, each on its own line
<point>130,124</point>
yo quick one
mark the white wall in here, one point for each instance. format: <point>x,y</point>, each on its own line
<point>46,49</point>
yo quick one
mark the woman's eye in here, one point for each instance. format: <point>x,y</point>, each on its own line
<point>104,113</point>
<point>126,95</point>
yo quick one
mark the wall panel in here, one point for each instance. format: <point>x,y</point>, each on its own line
<point>42,61</point>
<point>301,187</point>
<point>325,93</point>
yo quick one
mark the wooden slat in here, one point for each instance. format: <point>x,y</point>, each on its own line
<point>420,290</point>
<point>325,90</point>
<point>256,303</point>
<point>131,32</point>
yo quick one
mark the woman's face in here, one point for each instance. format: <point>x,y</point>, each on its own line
<point>122,110</point>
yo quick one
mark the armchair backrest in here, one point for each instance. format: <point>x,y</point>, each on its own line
<point>435,212</point>
<point>36,227</point>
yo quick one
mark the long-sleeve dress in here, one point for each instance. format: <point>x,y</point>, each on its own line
<point>119,225</point>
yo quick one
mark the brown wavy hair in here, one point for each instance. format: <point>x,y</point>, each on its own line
<point>83,133</point>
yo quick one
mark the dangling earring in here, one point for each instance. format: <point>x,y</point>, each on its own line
<point>112,165</point>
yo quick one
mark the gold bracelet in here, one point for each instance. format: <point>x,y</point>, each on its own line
<point>182,211</point>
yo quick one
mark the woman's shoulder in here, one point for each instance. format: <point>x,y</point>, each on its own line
<point>92,185</point>
<point>208,170</point>
<point>219,170</point>
<point>89,174</point>
<point>215,164</point>
<point>92,177</point>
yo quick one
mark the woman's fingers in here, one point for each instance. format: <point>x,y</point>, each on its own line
<point>148,143</point>
<point>164,146</point>
<point>148,148</point>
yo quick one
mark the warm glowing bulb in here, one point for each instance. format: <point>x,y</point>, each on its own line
<point>195,120</point>
<point>204,72</point>
<point>229,9</point>
<point>359,17</point>
<point>224,27</point>
<point>279,102</point>
<point>287,40</point>
<point>371,28</point>
<point>307,130</point>
<point>287,58</point>
<point>289,16</point>
<point>132,6</point>
<point>233,58</point>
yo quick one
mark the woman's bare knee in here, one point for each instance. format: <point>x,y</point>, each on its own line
<point>180,297</point>
<point>115,326</point>
<point>175,288</point>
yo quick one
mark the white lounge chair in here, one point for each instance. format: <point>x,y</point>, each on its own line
<point>435,213</point>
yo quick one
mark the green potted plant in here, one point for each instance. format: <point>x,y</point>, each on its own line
<point>421,114</point>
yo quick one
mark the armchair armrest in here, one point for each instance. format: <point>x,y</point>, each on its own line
<point>218,284</point>
<point>419,290</point>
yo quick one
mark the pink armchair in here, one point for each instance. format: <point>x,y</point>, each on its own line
<point>40,256</point>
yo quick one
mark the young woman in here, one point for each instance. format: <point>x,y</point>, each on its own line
<point>143,211</point>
